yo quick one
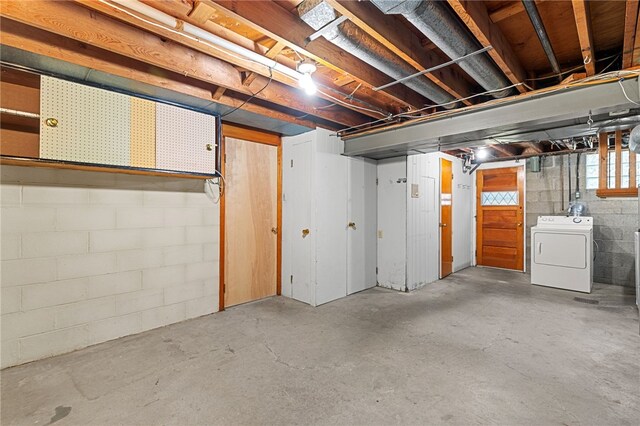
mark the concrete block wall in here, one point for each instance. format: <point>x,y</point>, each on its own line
<point>615,219</point>
<point>89,257</point>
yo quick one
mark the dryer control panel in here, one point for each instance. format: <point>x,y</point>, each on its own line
<point>565,221</point>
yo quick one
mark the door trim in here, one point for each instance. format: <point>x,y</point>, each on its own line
<point>257,136</point>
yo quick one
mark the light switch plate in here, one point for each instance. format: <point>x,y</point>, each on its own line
<point>415,190</point>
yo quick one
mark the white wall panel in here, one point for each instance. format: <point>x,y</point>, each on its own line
<point>331,218</point>
<point>463,216</point>
<point>93,124</point>
<point>182,137</point>
<point>392,223</point>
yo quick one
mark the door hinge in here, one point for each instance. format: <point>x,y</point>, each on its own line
<point>291,279</point>
<point>376,270</point>
<point>292,163</point>
<point>376,181</point>
<point>224,288</point>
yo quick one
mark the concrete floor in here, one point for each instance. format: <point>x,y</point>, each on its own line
<point>481,346</point>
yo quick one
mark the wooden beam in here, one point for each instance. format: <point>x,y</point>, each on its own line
<point>270,18</point>
<point>629,37</point>
<point>43,43</point>
<point>582,17</point>
<point>505,12</point>
<point>404,43</point>
<point>618,177</point>
<point>179,10</point>
<point>240,62</point>
<point>574,77</point>
<point>271,54</point>
<point>635,57</point>
<point>218,93</point>
<point>474,15</point>
<point>201,12</point>
<point>79,23</point>
<point>506,150</point>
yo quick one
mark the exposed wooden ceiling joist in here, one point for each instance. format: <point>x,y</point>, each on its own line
<point>474,14</point>
<point>249,66</point>
<point>276,22</point>
<point>21,36</point>
<point>630,32</point>
<point>114,36</point>
<point>583,24</point>
<point>506,12</point>
<point>403,43</point>
<point>506,150</point>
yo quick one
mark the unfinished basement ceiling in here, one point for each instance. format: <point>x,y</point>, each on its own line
<point>349,95</point>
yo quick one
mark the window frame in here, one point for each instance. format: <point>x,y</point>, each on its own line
<point>603,190</point>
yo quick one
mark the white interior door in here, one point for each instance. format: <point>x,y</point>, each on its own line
<point>362,226</point>
<point>299,198</point>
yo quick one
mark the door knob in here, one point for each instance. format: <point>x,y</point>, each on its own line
<point>352,225</point>
<point>305,232</point>
<point>443,225</point>
<point>274,230</point>
<point>519,223</point>
<point>51,122</point>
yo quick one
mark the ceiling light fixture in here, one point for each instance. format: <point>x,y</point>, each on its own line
<point>306,66</point>
<point>482,153</point>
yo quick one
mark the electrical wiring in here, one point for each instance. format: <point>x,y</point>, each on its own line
<point>569,71</point>
<point>209,191</point>
<point>624,92</point>
<point>338,101</point>
<point>250,97</point>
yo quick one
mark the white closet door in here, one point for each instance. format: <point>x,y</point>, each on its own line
<point>185,140</point>
<point>91,125</point>
<point>362,215</point>
<point>299,200</point>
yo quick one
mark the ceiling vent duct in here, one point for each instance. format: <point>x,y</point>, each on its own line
<point>438,24</point>
<point>349,37</point>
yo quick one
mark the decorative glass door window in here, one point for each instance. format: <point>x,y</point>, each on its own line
<point>500,198</point>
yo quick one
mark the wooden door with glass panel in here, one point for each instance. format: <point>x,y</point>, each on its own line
<point>500,218</point>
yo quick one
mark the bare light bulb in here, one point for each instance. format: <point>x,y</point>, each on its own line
<point>306,83</point>
<point>481,153</point>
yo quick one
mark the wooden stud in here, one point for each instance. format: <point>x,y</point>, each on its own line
<point>629,37</point>
<point>31,39</point>
<point>475,16</point>
<point>218,93</point>
<point>582,17</point>
<point>574,77</point>
<point>603,151</point>
<point>618,177</point>
<point>403,43</point>
<point>505,12</point>
<point>632,170</point>
<point>635,57</point>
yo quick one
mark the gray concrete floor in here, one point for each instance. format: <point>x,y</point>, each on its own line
<point>481,346</point>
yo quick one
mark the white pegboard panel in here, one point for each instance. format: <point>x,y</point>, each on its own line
<point>182,137</point>
<point>93,124</point>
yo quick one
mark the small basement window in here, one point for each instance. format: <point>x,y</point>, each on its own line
<point>614,171</point>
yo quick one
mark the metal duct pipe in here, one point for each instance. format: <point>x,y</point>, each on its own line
<point>437,23</point>
<point>350,38</point>
<point>534,16</point>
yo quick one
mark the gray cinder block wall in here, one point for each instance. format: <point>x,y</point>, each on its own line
<point>88,257</point>
<point>615,219</point>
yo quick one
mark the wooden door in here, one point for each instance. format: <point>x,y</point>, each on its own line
<point>446,204</point>
<point>250,221</point>
<point>499,220</point>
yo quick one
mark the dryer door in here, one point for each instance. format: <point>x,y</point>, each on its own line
<point>560,249</point>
